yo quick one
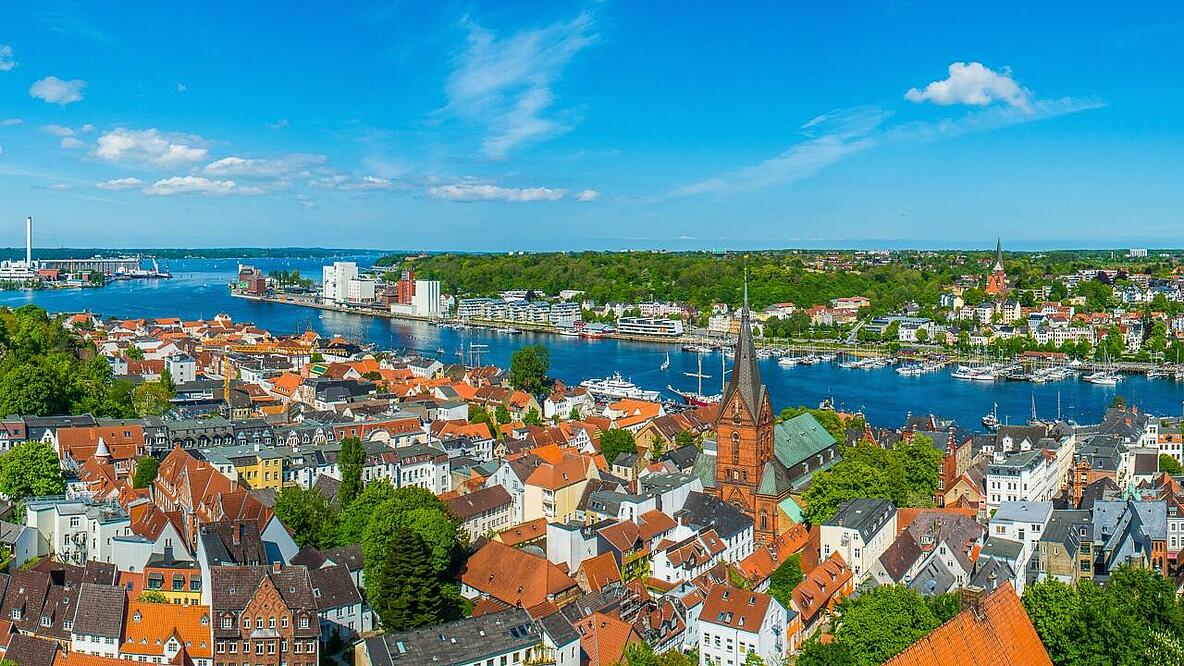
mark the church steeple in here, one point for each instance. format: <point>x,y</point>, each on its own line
<point>998,254</point>
<point>746,375</point>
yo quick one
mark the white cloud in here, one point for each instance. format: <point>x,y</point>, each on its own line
<point>198,185</point>
<point>57,130</point>
<point>587,196</point>
<point>263,167</point>
<point>58,187</point>
<point>56,91</point>
<point>150,147</point>
<point>341,181</point>
<point>974,84</point>
<point>68,135</point>
<point>181,87</point>
<point>306,201</point>
<point>10,122</point>
<point>830,138</point>
<point>504,83</point>
<point>120,184</point>
<point>468,192</point>
<point>279,124</point>
<point>6,60</point>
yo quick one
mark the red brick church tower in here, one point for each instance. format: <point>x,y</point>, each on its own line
<point>997,281</point>
<point>744,432</point>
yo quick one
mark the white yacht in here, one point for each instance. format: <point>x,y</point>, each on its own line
<point>616,388</point>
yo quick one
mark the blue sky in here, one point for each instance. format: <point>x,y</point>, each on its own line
<point>572,125</point>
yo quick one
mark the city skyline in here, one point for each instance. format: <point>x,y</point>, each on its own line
<point>488,127</point>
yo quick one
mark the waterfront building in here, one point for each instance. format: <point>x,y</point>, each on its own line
<point>426,298</point>
<point>647,326</point>
<point>335,281</point>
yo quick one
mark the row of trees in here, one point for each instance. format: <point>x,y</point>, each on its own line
<point>1135,618</point>
<point>411,545</point>
<point>699,278</point>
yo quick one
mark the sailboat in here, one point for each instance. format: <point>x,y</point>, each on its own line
<point>991,420</point>
<point>697,398</point>
<point>666,364</point>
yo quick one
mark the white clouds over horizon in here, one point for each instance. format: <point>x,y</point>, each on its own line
<point>150,147</point>
<point>120,184</point>
<point>472,192</point>
<point>57,91</point>
<point>274,167</point>
<point>198,185</point>
<point>505,83</point>
<point>974,84</point>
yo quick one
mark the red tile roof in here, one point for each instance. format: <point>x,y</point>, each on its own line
<point>1000,634</point>
<point>736,608</point>
<point>513,576</point>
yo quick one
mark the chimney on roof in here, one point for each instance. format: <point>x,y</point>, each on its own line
<point>276,567</point>
<point>971,598</point>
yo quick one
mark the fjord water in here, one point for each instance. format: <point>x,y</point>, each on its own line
<point>198,289</point>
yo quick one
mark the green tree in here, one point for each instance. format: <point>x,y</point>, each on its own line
<point>30,469</point>
<point>575,414</point>
<point>683,438</point>
<point>502,413</point>
<point>133,353</point>
<point>146,469</point>
<point>356,516</point>
<point>1169,465</point>
<point>350,461</point>
<point>529,366</point>
<point>639,654</point>
<point>30,389</point>
<point>907,475</point>
<point>785,578</point>
<point>153,597</point>
<point>152,399</point>
<point>1111,624</point>
<point>944,606</point>
<point>922,465</point>
<point>400,584</point>
<point>880,623</point>
<point>166,380</point>
<point>614,442</point>
<point>309,516</point>
<point>816,653</point>
<point>532,417</point>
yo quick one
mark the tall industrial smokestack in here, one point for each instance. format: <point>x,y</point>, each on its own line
<point>29,241</point>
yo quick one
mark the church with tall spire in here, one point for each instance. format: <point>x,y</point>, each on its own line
<point>997,280</point>
<point>759,464</point>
